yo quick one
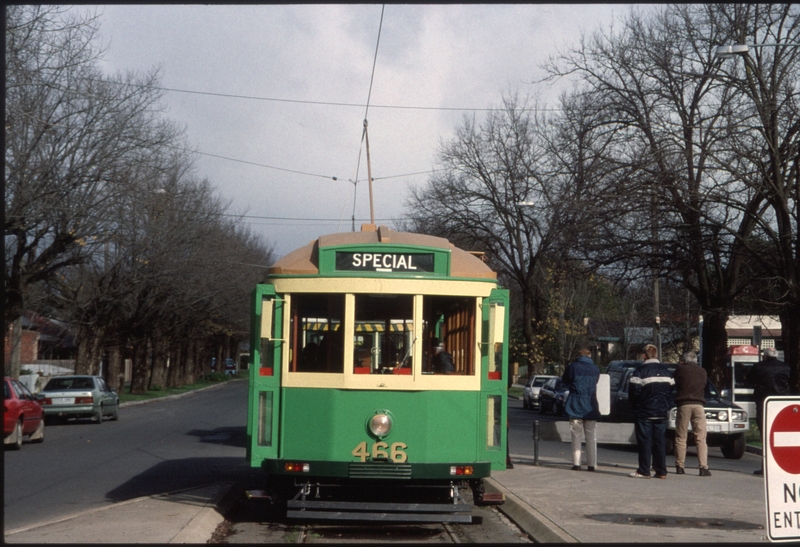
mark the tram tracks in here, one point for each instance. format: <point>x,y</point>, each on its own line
<point>426,533</point>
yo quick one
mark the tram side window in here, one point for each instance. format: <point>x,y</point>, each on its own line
<point>317,333</point>
<point>449,320</point>
<point>383,337</point>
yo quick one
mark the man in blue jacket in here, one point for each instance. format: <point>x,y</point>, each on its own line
<point>649,394</point>
<point>581,376</point>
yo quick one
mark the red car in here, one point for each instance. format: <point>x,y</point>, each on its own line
<point>22,415</point>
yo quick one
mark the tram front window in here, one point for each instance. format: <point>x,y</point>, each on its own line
<point>317,340</point>
<point>383,337</point>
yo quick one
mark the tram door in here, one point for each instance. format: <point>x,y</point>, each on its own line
<point>266,347</point>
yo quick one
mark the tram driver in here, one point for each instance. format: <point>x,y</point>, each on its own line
<point>442,361</point>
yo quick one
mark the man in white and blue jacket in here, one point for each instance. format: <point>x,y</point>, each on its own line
<point>649,393</point>
<point>581,376</point>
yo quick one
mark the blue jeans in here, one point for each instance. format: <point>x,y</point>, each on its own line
<point>650,436</point>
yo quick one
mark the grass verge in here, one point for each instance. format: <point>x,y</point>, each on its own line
<point>753,437</point>
<point>208,380</point>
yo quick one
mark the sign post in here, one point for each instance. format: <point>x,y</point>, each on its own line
<point>782,467</point>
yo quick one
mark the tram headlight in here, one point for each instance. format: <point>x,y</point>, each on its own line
<point>380,425</point>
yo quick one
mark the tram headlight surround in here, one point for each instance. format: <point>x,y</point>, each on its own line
<point>380,424</point>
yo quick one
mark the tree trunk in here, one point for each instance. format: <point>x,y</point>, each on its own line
<point>158,370</point>
<point>715,345</point>
<point>16,347</point>
<point>141,369</point>
<point>115,374</point>
<point>790,333</point>
<point>90,342</point>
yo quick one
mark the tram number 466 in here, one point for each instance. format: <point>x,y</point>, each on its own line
<point>381,450</point>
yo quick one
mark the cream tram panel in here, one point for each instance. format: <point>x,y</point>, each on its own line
<point>389,286</point>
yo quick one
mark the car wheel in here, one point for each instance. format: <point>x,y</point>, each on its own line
<point>734,448</point>
<point>525,404</point>
<point>98,416</point>
<point>541,408</point>
<point>115,414</point>
<point>16,436</point>
<point>38,435</point>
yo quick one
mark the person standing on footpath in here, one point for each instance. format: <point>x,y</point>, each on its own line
<point>649,394</point>
<point>581,378</point>
<point>769,376</point>
<point>690,380</point>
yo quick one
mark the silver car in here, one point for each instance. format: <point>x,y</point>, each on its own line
<point>79,397</point>
<point>530,395</point>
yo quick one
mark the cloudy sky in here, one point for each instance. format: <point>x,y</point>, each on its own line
<point>274,97</point>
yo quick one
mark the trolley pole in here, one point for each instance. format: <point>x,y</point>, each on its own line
<point>536,442</point>
<point>369,176</point>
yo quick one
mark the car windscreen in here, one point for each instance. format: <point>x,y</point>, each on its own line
<point>56,384</point>
<point>539,382</point>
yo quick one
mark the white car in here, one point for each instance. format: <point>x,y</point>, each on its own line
<point>530,395</point>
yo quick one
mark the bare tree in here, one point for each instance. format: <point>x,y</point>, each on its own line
<point>68,133</point>
<point>500,190</point>
<point>764,149</point>
<point>658,80</point>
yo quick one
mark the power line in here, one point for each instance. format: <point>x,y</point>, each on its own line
<point>319,103</point>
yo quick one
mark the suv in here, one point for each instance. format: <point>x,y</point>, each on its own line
<point>530,395</point>
<point>727,423</point>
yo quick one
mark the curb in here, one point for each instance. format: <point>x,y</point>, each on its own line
<point>202,527</point>
<point>176,396</point>
<point>540,528</point>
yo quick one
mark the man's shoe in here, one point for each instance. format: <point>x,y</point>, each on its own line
<point>758,471</point>
<point>590,468</point>
<point>704,472</point>
<point>576,467</point>
<point>637,475</point>
<point>679,470</point>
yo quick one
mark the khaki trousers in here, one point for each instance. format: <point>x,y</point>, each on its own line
<point>695,414</point>
<point>580,428</point>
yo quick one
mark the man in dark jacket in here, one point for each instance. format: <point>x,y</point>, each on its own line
<point>767,377</point>
<point>690,381</point>
<point>649,394</point>
<point>581,378</point>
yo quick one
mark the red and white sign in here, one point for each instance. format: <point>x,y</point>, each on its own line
<point>782,467</point>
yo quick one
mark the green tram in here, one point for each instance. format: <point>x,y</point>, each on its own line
<point>346,415</point>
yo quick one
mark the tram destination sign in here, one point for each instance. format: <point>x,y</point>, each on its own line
<point>384,262</point>
<point>782,467</point>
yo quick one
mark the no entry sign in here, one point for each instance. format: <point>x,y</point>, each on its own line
<point>782,467</point>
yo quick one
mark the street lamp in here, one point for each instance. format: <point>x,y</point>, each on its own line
<point>728,52</point>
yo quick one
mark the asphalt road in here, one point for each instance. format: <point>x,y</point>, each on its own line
<point>159,447</point>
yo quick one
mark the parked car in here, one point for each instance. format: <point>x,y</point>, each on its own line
<point>230,366</point>
<point>530,394</point>
<point>727,423</point>
<point>553,396</point>
<point>79,397</point>
<point>23,415</point>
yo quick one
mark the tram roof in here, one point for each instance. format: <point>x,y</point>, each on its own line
<point>304,261</point>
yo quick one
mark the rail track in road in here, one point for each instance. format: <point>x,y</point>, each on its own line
<point>256,521</point>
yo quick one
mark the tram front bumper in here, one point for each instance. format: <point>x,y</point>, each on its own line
<point>377,470</point>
